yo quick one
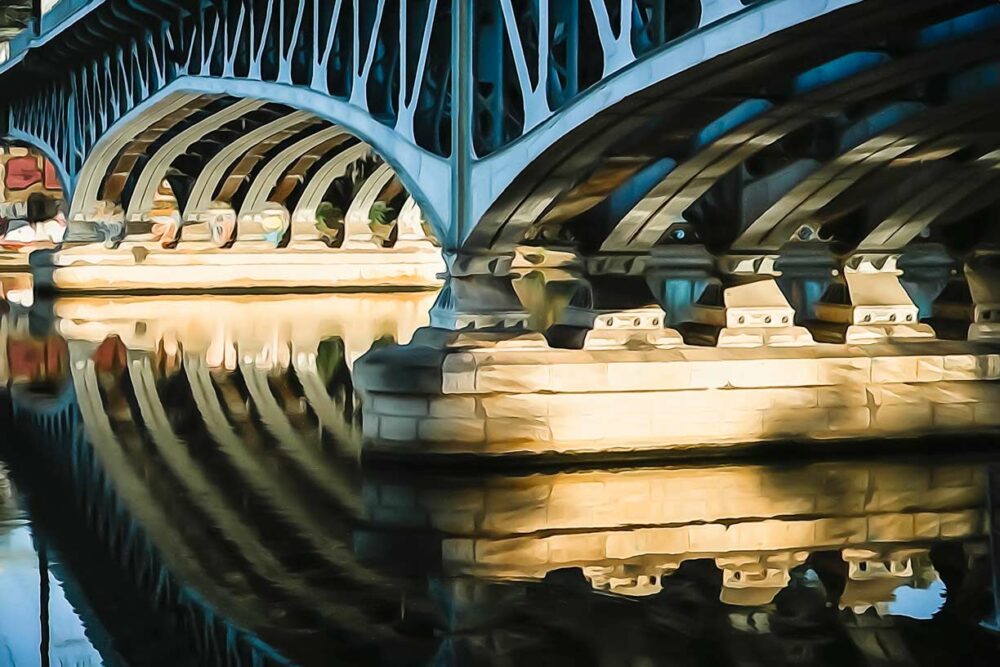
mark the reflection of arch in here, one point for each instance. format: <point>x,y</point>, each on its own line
<point>163,470</point>
<point>273,483</point>
<point>224,516</point>
<point>161,525</point>
<point>318,383</point>
<point>307,458</point>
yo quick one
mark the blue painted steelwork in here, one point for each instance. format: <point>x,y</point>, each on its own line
<point>390,62</point>
<point>468,102</point>
<point>61,16</point>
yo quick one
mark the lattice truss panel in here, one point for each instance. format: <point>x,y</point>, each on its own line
<point>387,58</point>
<point>533,58</point>
<point>390,58</point>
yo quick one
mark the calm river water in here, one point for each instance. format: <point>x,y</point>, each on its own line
<point>180,484</point>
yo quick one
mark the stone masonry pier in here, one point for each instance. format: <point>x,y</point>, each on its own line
<point>516,396</point>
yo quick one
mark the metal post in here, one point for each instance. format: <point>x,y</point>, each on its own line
<point>461,119</point>
<point>36,15</point>
<point>43,602</point>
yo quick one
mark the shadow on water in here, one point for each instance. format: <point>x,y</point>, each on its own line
<point>196,491</point>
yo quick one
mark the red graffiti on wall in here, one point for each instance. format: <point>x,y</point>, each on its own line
<point>22,173</point>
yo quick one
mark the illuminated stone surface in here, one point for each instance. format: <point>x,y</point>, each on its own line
<point>544,400</point>
<point>628,530</point>
<point>143,266</point>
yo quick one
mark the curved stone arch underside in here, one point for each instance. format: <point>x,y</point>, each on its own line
<point>416,168</point>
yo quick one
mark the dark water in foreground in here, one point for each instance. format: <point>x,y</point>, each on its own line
<point>177,496</point>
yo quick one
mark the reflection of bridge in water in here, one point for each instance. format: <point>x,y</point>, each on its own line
<point>209,455</point>
<point>213,447</point>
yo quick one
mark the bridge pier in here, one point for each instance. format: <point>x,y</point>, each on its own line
<point>968,308</point>
<point>745,308</point>
<point>548,352</point>
<point>867,303</point>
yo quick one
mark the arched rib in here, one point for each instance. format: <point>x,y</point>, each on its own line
<point>214,173</point>
<point>934,203</point>
<point>358,214</point>
<point>666,203</point>
<point>265,181</point>
<point>304,217</point>
<point>107,150</point>
<point>926,134</point>
<point>156,168</point>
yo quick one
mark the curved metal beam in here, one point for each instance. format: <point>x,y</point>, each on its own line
<point>666,202</point>
<point>357,218</point>
<point>929,135</point>
<point>215,171</point>
<point>975,182</point>
<point>321,181</point>
<point>266,180</point>
<point>728,26</point>
<point>155,170</point>
<point>91,178</point>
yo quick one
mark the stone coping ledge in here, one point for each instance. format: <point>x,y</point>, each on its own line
<point>240,272</point>
<point>424,369</point>
<point>152,254</point>
<point>14,260</point>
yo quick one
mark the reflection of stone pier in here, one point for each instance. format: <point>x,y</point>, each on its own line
<point>629,531</point>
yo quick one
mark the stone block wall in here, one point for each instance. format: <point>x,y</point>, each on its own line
<point>499,401</point>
